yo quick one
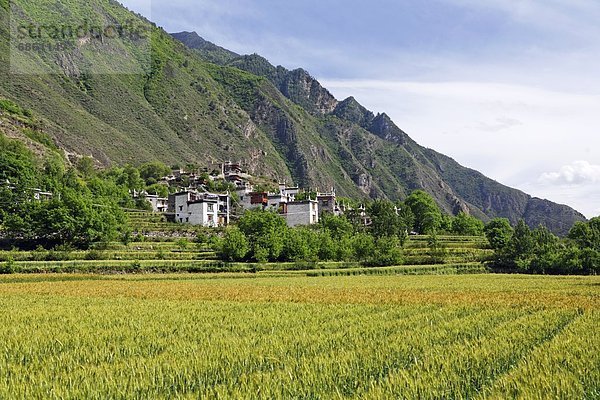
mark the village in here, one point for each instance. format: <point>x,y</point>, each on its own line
<point>196,205</point>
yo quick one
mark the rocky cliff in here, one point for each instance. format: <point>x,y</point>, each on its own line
<point>197,102</point>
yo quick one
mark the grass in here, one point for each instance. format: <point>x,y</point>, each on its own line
<point>234,336</point>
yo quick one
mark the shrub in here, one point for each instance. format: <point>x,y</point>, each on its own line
<point>135,266</point>
<point>437,252</point>
<point>8,267</point>
<point>58,255</point>
<point>235,245</point>
<point>95,255</point>
<point>387,253</point>
<point>183,244</point>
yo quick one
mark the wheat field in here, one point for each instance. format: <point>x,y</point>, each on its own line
<point>240,336</point>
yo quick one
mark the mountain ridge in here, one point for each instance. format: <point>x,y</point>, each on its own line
<point>208,104</point>
<point>382,126</point>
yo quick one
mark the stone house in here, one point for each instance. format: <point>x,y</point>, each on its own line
<point>299,213</point>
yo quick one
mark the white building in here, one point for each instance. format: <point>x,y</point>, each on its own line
<point>295,212</point>
<point>244,190</point>
<point>289,192</point>
<point>276,201</point>
<point>273,201</point>
<point>159,204</point>
<point>302,213</point>
<point>206,209</point>
<point>40,195</point>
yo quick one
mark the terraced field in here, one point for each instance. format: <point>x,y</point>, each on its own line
<point>253,336</point>
<point>156,226</point>
<point>160,246</point>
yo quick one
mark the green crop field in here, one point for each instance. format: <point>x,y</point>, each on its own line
<point>251,336</point>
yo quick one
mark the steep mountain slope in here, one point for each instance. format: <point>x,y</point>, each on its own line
<point>393,164</point>
<point>171,110</point>
<point>208,104</point>
<point>206,50</point>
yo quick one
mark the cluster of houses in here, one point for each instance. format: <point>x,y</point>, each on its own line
<point>36,194</point>
<point>194,205</point>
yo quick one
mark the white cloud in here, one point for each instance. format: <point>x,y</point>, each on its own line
<point>501,124</point>
<point>511,133</point>
<point>577,173</point>
<point>523,104</point>
<point>483,92</point>
<point>573,17</point>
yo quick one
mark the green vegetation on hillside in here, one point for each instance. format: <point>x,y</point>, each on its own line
<point>179,108</point>
<point>369,151</point>
<point>81,206</point>
<point>79,213</point>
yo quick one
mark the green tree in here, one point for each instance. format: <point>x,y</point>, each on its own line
<point>407,216</point>
<point>328,247</point>
<point>235,245</point>
<point>153,172</point>
<point>387,252</point>
<point>586,234</point>
<point>131,179</point>
<point>345,249</point>
<point>385,219</point>
<point>301,244</point>
<point>446,223</point>
<point>521,246</point>
<point>85,166</point>
<point>266,232</point>
<point>158,190</point>
<point>498,232</point>
<point>17,174</point>
<point>427,214</point>
<point>467,225</point>
<point>363,246</point>
<point>336,226</point>
<point>584,255</point>
<point>77,219</point>
<point>546,252</point>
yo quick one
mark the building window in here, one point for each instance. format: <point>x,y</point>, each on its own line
<point>180,208</point>
<point>210,207</point>
<point>187,219</point>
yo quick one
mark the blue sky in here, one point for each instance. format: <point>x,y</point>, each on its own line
<point>510,88</point>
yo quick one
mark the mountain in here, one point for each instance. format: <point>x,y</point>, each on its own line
<point>191,101</point>
<point>206,50</point>
<point>395,171</point>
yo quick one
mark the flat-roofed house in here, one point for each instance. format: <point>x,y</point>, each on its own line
<point>206,209</point>
<point>159,204</point>
<point>300,213</point>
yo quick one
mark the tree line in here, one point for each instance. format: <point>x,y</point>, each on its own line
<point>87,207</point>
<point>539,251</point>
<point>264,236</point>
